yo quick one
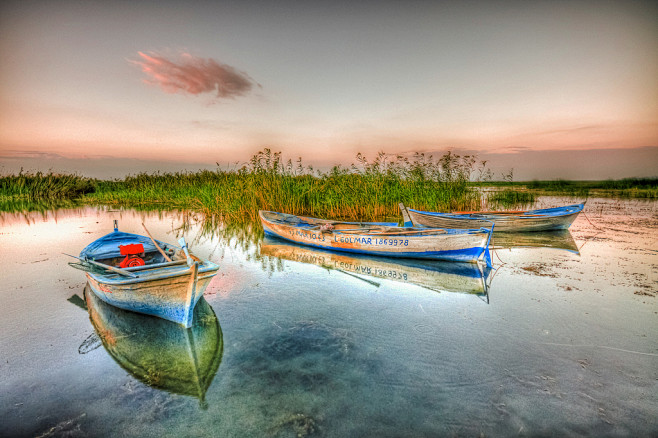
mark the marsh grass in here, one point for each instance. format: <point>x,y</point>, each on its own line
<point>508,198</point>
<point>30,186</point>
<point>622,188</point>
<point>560,187</point>
<point>368,190</point>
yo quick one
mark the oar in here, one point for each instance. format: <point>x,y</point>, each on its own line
<point>183,245</point>
<point>104,266</point>
<point>156,244</point>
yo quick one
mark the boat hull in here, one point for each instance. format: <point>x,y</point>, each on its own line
<point>170,292</point>
<point>534,220</point>
<point>463,246</point>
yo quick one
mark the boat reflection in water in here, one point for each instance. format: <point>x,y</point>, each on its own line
<point>470,278</point>
<point>561,239</point>
<point>161,353</point>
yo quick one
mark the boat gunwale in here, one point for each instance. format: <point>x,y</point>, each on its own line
<point>419,232</point>
<point>527,214</point>
<point>113,279</point>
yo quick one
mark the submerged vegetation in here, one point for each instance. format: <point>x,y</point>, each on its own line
<point>366,190</point>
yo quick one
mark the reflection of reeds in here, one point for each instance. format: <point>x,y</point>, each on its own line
<point>18,205</point>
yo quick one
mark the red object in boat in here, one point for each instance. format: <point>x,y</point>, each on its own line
<point>131,252</point>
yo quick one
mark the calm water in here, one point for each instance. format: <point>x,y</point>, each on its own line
<point>560,338</point>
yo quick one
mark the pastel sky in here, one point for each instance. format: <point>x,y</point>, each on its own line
<point>109,88</point>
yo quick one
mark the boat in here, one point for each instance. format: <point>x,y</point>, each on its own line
<point>371,238</point>
<point>437,276</point>
<point>160,353</point>
<point>140,274</point>
<point>545,219</point>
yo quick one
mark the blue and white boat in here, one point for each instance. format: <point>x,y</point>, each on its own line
<point>379,239</point>
<point>545,219</point>
<point>143,275</point>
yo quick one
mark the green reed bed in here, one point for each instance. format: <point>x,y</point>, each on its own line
<point>630,187</point>
<point>622,188</point>
<point>38,186</point>
<point>365,191</point>
<point>508,198</point>
<point>560,187</point>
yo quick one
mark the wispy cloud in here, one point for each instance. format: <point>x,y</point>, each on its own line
<point>185,73</point>
<point>18,154</point>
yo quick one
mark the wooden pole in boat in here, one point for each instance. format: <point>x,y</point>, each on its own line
<point>104,266</point>
<point>156,244</point>
<point>406,219</point>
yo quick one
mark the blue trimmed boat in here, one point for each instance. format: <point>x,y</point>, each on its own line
<point>379,239</point>
<point>143,275</point>
<point>545,219</point>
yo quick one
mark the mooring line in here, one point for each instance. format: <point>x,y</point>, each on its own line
<point>590,222</point>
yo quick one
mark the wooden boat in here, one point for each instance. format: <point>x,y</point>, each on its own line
<point>160,353</point>
<point>437,276</point>
<point>140,274</point>
<point>545,219</point>
<point>376,239</point>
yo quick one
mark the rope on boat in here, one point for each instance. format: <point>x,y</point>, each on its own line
<point>590,222</point>
<point>601,230</point>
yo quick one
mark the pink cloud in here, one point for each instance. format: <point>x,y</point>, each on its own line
<point>191,74</point>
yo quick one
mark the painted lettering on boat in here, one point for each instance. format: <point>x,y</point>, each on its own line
<point>339,238</point>
<point>370,240</point>
<point>308,235</point>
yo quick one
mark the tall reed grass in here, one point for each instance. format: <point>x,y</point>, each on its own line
<point>367,190</point>
<point>509,198</point>
<point>30,186</point>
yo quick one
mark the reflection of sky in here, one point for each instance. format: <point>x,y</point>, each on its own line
<point>564,343</point>
<point>323,80</point>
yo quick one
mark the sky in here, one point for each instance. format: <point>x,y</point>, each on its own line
<point>554,89</point>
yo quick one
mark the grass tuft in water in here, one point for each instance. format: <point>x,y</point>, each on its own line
<point>509,198</point>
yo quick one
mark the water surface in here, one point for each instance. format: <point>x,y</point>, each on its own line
<point>559,338</point>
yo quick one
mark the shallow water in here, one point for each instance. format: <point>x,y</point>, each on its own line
<point>558,339</point>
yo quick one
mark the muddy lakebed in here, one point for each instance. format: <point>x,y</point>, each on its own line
<point>559,338</point>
